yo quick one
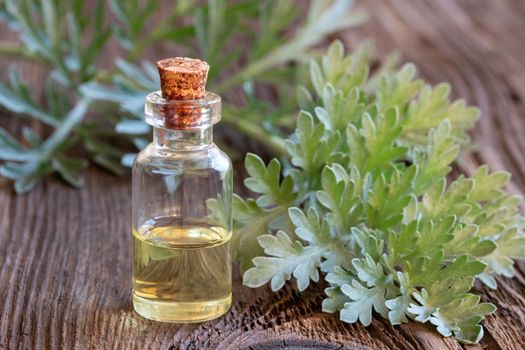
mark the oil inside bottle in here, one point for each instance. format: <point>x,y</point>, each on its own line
<point>181,273</point>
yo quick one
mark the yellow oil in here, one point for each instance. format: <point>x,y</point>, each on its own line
<point>182,274</point>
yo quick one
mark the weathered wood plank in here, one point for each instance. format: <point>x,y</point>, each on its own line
<point>65,254</point>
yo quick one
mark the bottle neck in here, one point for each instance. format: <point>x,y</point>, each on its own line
<point>183,140</point>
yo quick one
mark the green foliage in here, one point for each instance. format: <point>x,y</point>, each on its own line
<point>69,37</point>
<point>266,181</point>
<point>52,33</point>
<point>369,205</point>
<point>220,25</point>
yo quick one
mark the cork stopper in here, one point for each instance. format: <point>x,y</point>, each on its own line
<point>183,78</point>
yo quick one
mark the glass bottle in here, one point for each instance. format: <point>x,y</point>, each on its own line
<point>182,220</point>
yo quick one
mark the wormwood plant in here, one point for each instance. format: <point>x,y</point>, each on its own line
<point>70,37</point>
<point>364,201</point>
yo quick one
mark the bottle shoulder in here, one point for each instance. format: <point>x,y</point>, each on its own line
<point>211,157</point>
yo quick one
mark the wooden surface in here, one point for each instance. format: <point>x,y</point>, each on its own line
<point>65,254</point>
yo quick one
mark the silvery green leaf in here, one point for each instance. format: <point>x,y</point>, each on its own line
<point>266,181</point>
<point>287,258</point>
<point>31,137</point>
<point>128,159</point>
<point>144,79</point>
<point>335,300</point>
<point>132,127</point>
<point>304,98</point>
<point>69,169</point>
<point>364,300</point>
<point>140,142</point>
<point>11,149</point>
<point>399,306</point>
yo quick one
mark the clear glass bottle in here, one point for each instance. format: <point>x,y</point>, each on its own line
<point>182,222</point>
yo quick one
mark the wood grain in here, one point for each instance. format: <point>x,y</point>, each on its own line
<point>65,254</point>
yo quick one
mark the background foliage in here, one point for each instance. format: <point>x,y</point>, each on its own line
<point>247,44</point>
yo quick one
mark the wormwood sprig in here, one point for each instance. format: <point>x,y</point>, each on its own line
<point>53,33</point>
<point>26,164</point>
<point>364,199</point>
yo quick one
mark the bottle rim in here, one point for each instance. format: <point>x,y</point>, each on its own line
<point>182,114</point>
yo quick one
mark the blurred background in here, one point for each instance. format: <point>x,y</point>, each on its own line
<point>74,73</point>
<point>94,62</point>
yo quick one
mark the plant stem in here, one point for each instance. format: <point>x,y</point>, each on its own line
<point>280,55</point>
<point>15,50</point>
<point>104,76</point>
